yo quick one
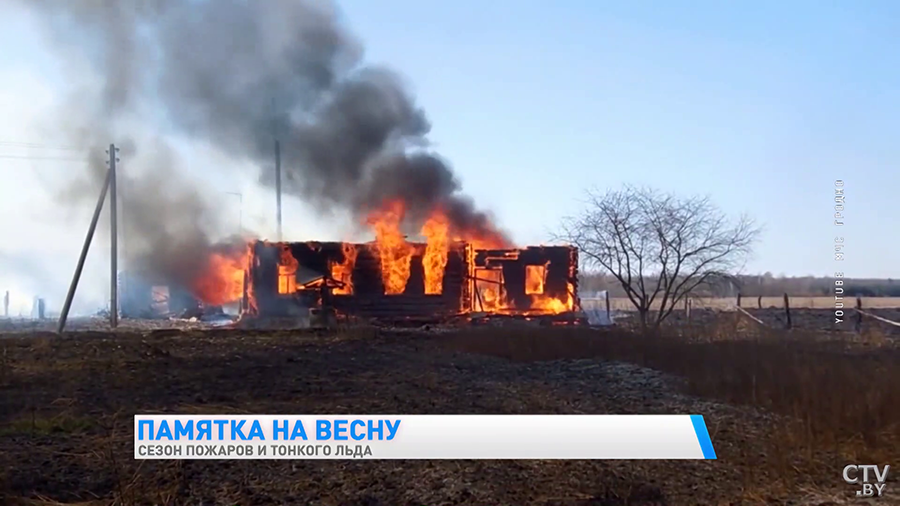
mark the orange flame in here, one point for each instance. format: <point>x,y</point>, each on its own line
<point>287,271</point>
<point>437,246</point>
<point>535,277</point>
<point>395,256</point>
<point>481,241</point>
<point>222,281</point>
<point>492,296</point>
<point>544,304</point>
<point>343,271</point>
<point>482,238</point>
<point>252,308</point>
<point>394,253</point>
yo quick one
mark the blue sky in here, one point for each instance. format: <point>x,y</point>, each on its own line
<point>761,105</point>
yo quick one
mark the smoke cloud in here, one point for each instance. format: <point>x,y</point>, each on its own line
<point>236,75</point>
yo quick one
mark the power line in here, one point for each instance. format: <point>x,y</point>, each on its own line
<point>58,158</point>
<point>36,145</point>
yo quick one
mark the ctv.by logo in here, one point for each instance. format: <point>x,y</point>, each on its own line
<point>860,474</point>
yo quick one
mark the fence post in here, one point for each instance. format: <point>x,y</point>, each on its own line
<point>687,309</point>
<point>759,302</point>
<point>739,299</point>
<point>607,306</point>
<point>859,315</point>
<point>787,311</point>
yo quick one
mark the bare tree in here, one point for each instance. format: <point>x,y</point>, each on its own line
<point>658,247</point>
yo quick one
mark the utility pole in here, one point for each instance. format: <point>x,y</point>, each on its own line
<point>64,315</point>
<point>113,241</point>
<point>278,186</point>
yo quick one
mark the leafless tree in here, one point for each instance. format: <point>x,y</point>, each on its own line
<point>659,247</point>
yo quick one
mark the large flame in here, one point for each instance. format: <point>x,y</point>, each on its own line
<point>394,253</point>
<point>434,261</point>
<point>343,271</point>
<point>222,281</point>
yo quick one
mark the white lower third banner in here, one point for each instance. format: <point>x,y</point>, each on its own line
<point>421,437</point>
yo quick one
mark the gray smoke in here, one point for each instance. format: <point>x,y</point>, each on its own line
<point>237,74</point>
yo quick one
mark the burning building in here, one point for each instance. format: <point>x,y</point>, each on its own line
<point>453,271</point>
<point>411,281</point>
<point>417,281</point>
<point>354,279</point>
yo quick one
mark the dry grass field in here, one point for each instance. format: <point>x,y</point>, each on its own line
<point>786,412</point>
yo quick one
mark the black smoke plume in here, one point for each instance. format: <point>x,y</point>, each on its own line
<point>238,74</point>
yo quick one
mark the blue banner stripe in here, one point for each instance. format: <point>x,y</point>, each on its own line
<point>703,437</point>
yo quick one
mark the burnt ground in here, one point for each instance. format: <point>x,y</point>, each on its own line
<point>66,427</point>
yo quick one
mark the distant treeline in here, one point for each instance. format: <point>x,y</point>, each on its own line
<point>765,285</point>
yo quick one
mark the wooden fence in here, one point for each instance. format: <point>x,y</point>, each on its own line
<point>728,303</point>
<point>742,304</point>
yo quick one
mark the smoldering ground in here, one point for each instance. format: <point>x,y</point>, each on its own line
<point>236,75</point>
